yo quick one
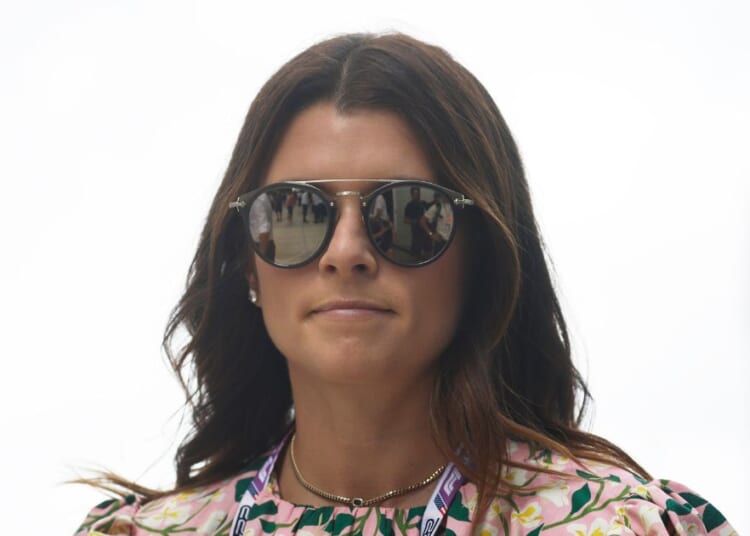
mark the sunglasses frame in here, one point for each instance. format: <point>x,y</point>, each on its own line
<point>245,201</point>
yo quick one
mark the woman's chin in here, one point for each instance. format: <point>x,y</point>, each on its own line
<point>355,366</point>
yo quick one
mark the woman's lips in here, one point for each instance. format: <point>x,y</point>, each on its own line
<point>350,309</point>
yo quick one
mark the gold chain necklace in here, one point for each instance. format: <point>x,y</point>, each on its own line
<point>354,502</point>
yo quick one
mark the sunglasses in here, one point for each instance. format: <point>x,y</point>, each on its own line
<point>410,222</point>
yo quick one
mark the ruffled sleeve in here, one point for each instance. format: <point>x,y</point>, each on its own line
<point>204,510</point>
<point>666,507</point>
<point>604,506</point>
<point>111,517</point>
<point>592,500</point>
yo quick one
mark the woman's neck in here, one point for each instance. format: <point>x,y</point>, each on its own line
<point>361,442</point>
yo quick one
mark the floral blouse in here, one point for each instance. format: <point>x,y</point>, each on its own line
<point>595,500</point>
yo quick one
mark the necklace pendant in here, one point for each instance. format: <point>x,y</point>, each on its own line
<point>357,502</point>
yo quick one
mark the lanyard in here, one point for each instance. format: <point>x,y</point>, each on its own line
<point>437,507</point>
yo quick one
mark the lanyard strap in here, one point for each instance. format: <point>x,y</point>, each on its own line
<point>256,484</point>
<point>441,499</point>
<point>445,491</point>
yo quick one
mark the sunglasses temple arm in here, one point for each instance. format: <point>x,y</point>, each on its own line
<point>463,201</point>
<point>237,204</point>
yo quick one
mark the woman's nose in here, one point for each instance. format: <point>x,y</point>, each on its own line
<point>350,251</point>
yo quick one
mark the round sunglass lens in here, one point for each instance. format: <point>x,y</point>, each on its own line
<point>411,224</point>
<point>287,224</point>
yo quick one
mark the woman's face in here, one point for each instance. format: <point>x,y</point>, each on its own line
<point>351,316</point>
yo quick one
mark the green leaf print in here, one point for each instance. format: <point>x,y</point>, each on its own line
<point>407,520</point>
<point>677,508</point>
<point>693,499</point>
<point>595,506</point>
<point>579,498</point>
<point>106,526</point>
<point>587,476</point>
<point>457,509</point>
<point>415,513</point>
<point>267,507</point>
<point>536,531</point>
<point>449,532</point>
<point>241,487</point>
<point>111,506</point>
<point>386,526</point>
<point>596,478</point>
<point>269,527</point>
<point>315,517</point>
<point>360,521</point>
<point>339,523</point>
<point>103,505</point>
<point>712,518</point>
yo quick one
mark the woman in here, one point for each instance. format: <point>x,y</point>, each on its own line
<point>347,388</point>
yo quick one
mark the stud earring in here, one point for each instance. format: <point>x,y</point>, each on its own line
<point>252,295</point>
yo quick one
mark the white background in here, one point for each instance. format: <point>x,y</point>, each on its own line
<point>117,120</point>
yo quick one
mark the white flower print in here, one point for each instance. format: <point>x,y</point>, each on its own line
<point>558,493</point>
<point>496,509</point>
<point>529,517</point>
<point>218,495</point>
<point>643,492</point>
<point>691,529</point>
<point>649,515</point>
<point>185,496</point>
<point>600,527</point>
<point>211,524</point>
<point>517,477</point>
<point>171,513</point>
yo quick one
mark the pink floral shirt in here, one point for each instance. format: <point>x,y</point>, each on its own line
<point>595,500</point>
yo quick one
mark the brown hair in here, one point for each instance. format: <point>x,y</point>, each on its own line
<point>507,373</point>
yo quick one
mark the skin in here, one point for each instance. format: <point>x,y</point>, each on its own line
<point>361,373</point>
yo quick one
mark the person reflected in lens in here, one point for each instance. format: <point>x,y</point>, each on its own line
<point>291,198</point>
<point>437,222</point>
<point>277,201</point>
<point>261,226</point>
<point>381,228</point>
<point>305,201</point>
<point>415,209</point>
<point>318,208</point>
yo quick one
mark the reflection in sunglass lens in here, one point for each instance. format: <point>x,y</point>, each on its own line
<point>411,224</point>
<point>288,224</point>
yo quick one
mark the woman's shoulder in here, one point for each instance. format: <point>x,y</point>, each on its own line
<point>203,510</point>
<point>555,494</point>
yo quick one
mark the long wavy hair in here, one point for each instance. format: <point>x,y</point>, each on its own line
<point>508,372</point>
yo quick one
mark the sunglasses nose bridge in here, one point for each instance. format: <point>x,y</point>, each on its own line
<point>340,196</point>
<point>348,245</point>
<point>357,203</point>
<point>349,193</point>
